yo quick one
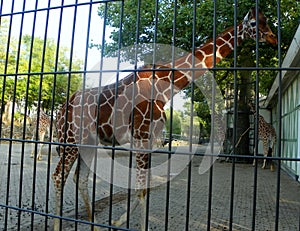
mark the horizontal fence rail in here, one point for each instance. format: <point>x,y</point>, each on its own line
<point>167,115</point>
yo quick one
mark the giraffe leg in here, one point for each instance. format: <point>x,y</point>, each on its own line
<point>81,177</point>
<point>272,167</point>
<point>39,155</point>
<point>139,200</point>
<point>33,147</point>
<point>141,195</point>
<point>254,160</point>
<point>51,140</point>
<point>123,218</point>
<point>141,190</point>
<point>59,182</point>
<point>266,148</point>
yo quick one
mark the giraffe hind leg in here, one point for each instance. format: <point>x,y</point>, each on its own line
<point>270,154</point>
<point>266,149</point>
<point>81,176</point>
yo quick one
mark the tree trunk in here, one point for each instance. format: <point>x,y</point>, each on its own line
<point>245,93</point>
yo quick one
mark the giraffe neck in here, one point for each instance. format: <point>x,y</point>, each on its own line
<point>203,57</point>
<point>224,46</point>
<point>186,68</point>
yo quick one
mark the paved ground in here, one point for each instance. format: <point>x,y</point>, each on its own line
<point>289,210</point>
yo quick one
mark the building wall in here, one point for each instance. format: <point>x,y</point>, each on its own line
<point>290,142</point>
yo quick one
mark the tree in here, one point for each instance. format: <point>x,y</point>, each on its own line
<point>30,69</point>
<point>155,22</point>
<point>160,29</point>
<point>176,122</point>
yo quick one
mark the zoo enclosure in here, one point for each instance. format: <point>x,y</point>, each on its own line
<point>46,56</point>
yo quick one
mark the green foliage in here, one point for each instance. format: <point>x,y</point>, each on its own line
<point>29,67</point>
<point>193,22</point>
<point>176,122</point>
<point>161,29</point>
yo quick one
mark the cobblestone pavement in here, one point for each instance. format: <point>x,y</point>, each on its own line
<point>178,199</point>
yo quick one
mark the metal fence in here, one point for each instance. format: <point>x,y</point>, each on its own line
<point>162,136</point>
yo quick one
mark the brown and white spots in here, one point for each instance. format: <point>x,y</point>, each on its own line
<point>132,109</point>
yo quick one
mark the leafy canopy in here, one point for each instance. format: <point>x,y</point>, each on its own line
<point>29,66</point>
<point>190,24</point>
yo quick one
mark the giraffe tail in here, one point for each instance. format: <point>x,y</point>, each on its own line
<point>58,150</point>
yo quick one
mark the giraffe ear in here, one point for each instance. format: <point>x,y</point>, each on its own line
<point>252,12</point>
<point>246,18</point>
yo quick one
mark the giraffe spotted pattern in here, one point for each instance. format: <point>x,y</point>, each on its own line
<point>133,110</point>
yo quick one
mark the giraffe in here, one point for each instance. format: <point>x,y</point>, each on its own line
<point>44,124</point>
<point>100,114</point>
<point>267,134</point>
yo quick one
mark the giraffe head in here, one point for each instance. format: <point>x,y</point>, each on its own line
<point>252,107</point>
<point>264,31</point>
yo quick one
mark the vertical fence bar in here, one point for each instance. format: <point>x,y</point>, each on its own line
<point>189,167</point>
<point>100,77</point>
<point>10,142</point>
<point>168,183</point>
<point>23,147</point>
<point>279,118</point>
<point>152,98</point>
<point>130,164</point>
<point>5,69</point>
<point>34,180</point>
<point>114,142</point>
<point>235,117</point>
<point>51,123</point>
<point>256,137</point>
<point>68,90</point>
<point>66,114</point>
<point>83,86</point>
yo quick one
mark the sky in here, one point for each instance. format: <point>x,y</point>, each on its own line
<point>80,36</point>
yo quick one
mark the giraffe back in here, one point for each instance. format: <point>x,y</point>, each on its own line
<point>127,110</point>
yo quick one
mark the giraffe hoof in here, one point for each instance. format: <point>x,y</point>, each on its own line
<point>116,223</point>
<point>39,158</point>
<point>96,229</point>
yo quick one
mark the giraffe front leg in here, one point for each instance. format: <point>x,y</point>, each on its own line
<point>39,155</point>
<point>42,136</point>
<point>56,226</point>
<point>59,178</point>
<point>141,191</point>
<point>265,143</point>
<point>272,167</point>
<point>58,185</point>
<point>141,194</point>
<point>139,200</point>
<point>254,160</point>
<point>81,178</point>
<point>32,147</point>
<point>123,218</point>
<point>264,164</point>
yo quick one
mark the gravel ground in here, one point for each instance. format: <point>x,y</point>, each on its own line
<point>20,189</point>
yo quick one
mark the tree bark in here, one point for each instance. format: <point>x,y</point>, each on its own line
<point>245,93</point>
